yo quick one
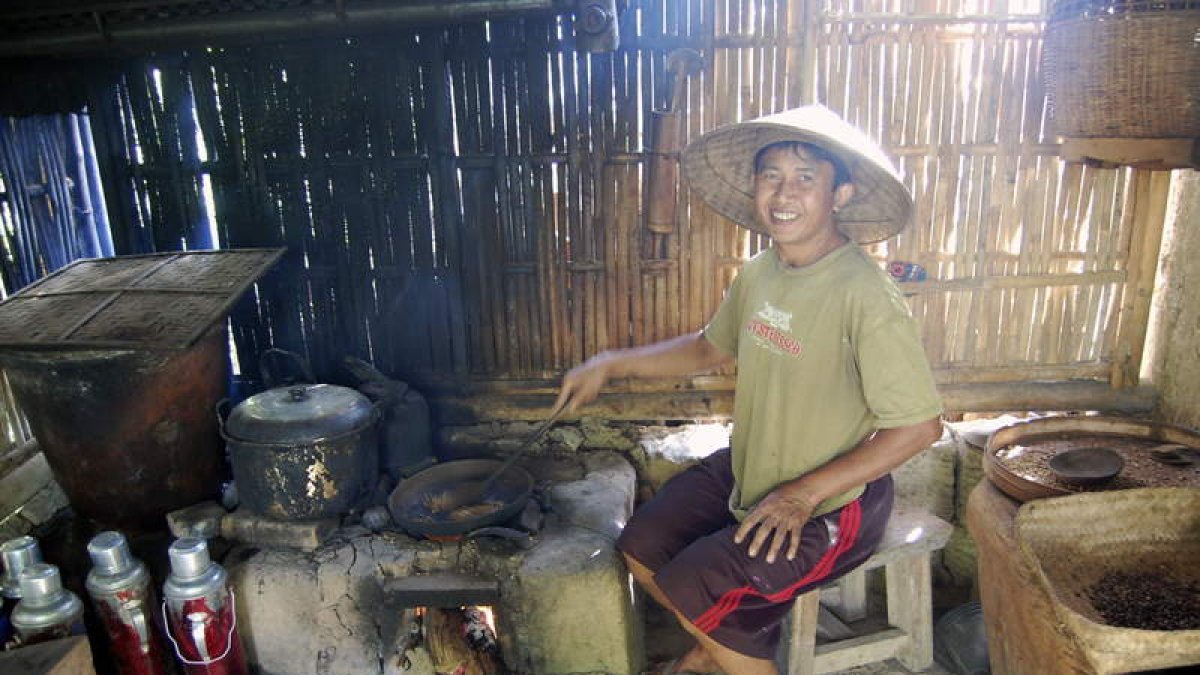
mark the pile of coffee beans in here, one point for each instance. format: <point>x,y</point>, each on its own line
<point>1150,601</point>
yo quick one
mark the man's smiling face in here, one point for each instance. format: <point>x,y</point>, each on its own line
<point>795,197</point>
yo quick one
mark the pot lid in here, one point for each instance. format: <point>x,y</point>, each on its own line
<point>299,413</point>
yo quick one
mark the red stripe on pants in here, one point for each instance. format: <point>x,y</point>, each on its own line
<point>848,523</point>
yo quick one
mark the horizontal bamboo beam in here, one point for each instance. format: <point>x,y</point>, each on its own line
<point>1161,154</point>
<point>973,149</point>
<point>967,256</point>
<point>1086,371</point>
<point>304,22</point>
<point>724,41</point>
<point>842,17</point>
<point>718,404</point>
<point>421,162</point>
<point>1048,397</point>
<point>1026,281</point>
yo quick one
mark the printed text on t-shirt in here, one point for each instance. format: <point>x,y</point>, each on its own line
<point>775,337</point>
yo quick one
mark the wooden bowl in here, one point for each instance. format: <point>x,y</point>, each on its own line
<point>1086,466</point>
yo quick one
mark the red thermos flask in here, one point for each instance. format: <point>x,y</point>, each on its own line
<point>120,587</point>
<point>199,609</point>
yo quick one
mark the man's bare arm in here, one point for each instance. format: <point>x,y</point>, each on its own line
<point>679,356</point>
<point>876,455</point>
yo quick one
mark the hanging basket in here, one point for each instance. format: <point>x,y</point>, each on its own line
<point>1123,68</point>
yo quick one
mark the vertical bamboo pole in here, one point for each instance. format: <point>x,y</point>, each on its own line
<point>1150,207</point>
<point>106,114</point>
<point>545,260</point>
<point>560,272</point>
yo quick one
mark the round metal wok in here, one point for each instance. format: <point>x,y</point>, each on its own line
<point>418,503</point>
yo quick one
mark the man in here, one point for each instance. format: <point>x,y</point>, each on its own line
<point>833,390</point>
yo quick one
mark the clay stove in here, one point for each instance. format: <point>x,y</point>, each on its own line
<point>563,605</point>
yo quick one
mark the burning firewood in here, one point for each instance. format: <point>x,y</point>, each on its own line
<point>461,642</point>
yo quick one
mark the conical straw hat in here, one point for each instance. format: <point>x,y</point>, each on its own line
<point>719,166</point>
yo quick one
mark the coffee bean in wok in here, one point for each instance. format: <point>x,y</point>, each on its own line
<point>475,510</point>
<point>437,502</point>
<point>1149,601</point>
<point>436,509</point>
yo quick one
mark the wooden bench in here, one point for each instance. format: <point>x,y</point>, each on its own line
<point>912,535</point>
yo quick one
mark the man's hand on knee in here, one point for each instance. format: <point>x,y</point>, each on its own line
<point>777,519</point>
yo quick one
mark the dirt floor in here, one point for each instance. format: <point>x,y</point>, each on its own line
<point>666,640</point>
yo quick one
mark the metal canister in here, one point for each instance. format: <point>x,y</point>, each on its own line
<point>120,587</point>
<point>17,554</point>
<point>200,613</point>
<point>47,611</point>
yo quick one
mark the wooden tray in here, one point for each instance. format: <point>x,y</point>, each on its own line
<point>1027,477</point>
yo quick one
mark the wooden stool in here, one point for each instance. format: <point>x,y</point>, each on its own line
<point>911,535</point>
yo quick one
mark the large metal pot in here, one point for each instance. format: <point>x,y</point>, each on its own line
<point>304,451</point>
<point>128,433</point>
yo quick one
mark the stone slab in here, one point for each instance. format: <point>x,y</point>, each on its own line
<point>442,590</point>
<point>669,450</point>
<point>960,558</point>
<point>288,622</point>
<point>247,528</point>
<point>29,495</point>
<point>575,588</point>
<point>969,473</point>
<point>45,504</point>
<point>927,480</point>
<point>602,501</point>
<point>603,434</point>
<point>24,481</point>
<point>199,520</point>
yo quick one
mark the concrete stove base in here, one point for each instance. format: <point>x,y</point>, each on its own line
<point>564,605</point>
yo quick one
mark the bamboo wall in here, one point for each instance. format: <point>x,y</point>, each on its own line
<point>1030,256</point>
<point>14,429</point>
<point>466,203</point>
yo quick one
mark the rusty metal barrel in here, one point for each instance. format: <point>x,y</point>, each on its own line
<point>129,434</point>
<point>118,364</point>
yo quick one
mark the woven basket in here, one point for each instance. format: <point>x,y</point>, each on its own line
<point>1071,542</point>
<point>1037,431</point>
<point>1130,73</point>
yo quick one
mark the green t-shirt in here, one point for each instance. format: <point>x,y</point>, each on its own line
<point>826,354</point>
